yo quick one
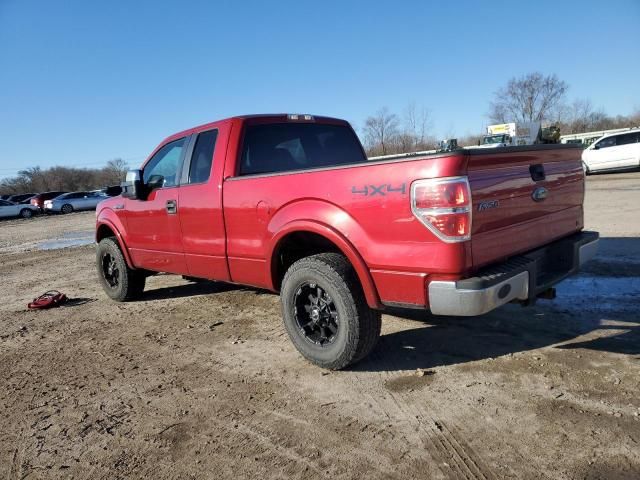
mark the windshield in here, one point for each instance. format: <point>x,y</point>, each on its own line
<point>491,139</point>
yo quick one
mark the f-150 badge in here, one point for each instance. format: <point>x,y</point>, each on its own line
<point>482,206</point>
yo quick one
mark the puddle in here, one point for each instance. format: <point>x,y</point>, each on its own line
<point>68,239</point>
<point>600,293</point>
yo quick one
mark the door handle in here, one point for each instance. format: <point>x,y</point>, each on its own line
<point>172,207</point>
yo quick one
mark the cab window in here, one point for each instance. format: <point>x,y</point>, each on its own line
<point>281,147</point>
<point>165,163</point>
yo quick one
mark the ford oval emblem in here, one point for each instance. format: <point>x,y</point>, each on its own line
<point>539,194</point>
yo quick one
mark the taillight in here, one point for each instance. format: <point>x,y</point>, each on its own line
<point>443,205</point>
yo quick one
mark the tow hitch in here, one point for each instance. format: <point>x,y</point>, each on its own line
<point>548,294</point>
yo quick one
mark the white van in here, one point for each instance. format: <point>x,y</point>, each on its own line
<point>613,151</point>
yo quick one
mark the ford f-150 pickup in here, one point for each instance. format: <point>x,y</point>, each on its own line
<point>290,203</point>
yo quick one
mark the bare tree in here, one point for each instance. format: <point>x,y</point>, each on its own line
<point>533,97</point>
<point>470,140</point>
<point>580,116</point>
<point>115,171</point>
<point>417,120</point>
<point>380,130</point>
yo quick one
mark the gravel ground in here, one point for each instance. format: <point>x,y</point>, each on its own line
<point>201,381</point>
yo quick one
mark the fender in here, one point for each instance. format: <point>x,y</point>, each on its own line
<point>108,218</point>
<point>328,220</point>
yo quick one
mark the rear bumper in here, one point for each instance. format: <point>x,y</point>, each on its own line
<point>520,278</point>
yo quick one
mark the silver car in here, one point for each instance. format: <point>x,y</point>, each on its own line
<point>10,209</point>
<point>74,201</point>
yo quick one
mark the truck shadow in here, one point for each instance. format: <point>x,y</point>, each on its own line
<point>441,341</point>
<point>193,289</point>
<point>602,303</point>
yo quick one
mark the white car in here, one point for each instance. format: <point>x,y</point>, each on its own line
<point>613,151</point>
<point>10,209</point>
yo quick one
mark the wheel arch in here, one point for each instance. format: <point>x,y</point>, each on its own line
<point>104,229</point>
<point>318,237</point>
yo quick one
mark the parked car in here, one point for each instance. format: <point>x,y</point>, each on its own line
<point>74,201</point>
<point>10,209</point>
<point>23,197</point>
<point>290,203</point>
<point>39,199</point>
<point>613,152</point>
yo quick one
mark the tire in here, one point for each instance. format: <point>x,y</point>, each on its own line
<point>66,208</point>
<point>585,169</point>
<point>119,282</point>
<point>336,329</point>
<point>26,213</point>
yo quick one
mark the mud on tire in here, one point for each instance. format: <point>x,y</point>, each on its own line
<point>119,282</point>
<point>325,311</point>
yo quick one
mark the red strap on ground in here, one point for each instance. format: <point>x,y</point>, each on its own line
<point>50,299</point>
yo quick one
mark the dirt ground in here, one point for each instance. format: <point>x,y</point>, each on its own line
<point>201,381</point>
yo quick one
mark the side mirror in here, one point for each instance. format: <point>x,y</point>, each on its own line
<point>155,181</point>
<point>596,147</point>
<point>133,187</point>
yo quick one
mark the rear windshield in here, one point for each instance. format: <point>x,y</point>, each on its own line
<point>281,147</point>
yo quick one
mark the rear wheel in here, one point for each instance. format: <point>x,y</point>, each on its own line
<point>325,312</point>
<point>66,208</point>
<point>26,213</point>
<point>119,282</point>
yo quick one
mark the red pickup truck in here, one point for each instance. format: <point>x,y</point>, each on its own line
<point>290,203</point>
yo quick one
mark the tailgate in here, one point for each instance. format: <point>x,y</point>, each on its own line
<point>523,198</point>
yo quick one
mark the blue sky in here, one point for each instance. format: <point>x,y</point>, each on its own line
<point>82,82</point>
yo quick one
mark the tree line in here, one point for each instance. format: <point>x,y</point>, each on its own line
<point>67,179</point>
<point>531,97</point>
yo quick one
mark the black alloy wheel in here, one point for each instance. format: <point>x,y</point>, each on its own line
<point>110,270</point>
<point>316,314</point>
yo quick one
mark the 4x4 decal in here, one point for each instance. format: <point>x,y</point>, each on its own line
<point>382,190</point>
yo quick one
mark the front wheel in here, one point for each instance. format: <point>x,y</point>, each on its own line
<point>585,168</point>
<point>119,282</point>
<point>66,208</point>
<point>325,312</point>
<point>26,213</point>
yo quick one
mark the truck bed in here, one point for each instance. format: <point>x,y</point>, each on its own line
<point>369,204</point>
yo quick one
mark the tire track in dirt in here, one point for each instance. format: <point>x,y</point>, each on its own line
<point>454,457</point>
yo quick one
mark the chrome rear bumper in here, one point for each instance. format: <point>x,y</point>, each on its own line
<point>521,278</point>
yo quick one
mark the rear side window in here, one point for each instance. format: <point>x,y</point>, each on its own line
<point>202,158</point>
<point>281,147</point>
<point>627,138</point>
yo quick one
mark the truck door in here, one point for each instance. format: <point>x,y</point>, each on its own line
<point>154,237</point>
<point>201,216</point>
